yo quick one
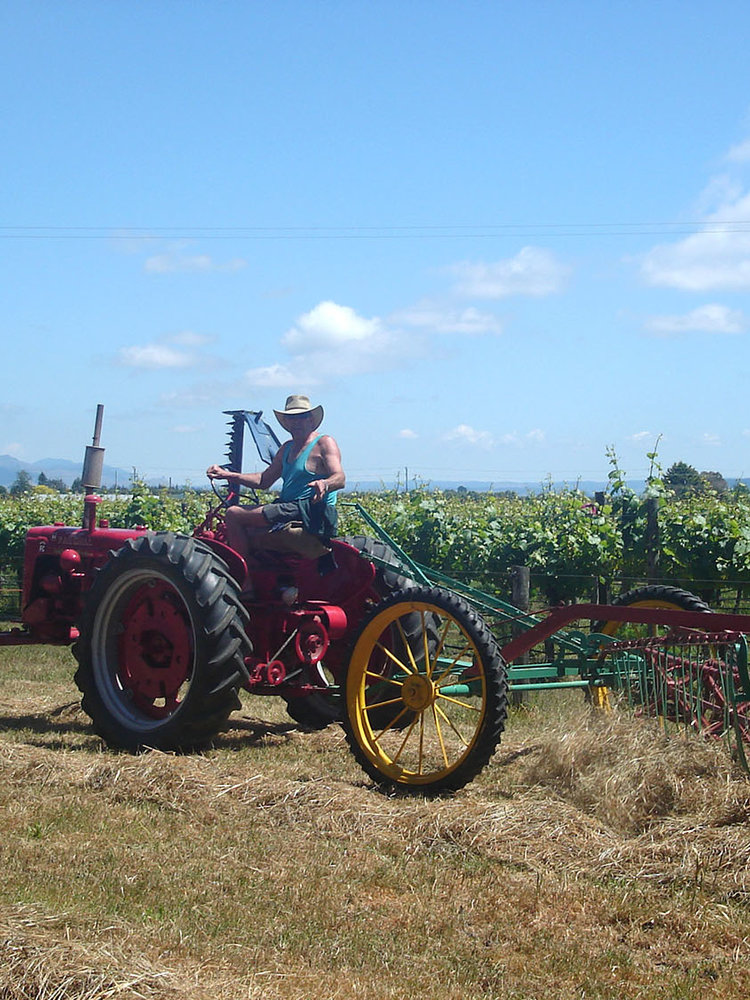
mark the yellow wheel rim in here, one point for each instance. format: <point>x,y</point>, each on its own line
<point>613,627</point>
<point>416,692</point>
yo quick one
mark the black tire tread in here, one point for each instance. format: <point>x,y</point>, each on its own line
<point>666,595</point>
<point>224,642</point>
<point>396,576</point>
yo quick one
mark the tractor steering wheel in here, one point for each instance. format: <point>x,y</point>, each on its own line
<point>227,492</point>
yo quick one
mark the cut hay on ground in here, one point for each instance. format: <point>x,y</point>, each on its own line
<point>594,857</point>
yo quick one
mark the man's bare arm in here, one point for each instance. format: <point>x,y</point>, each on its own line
<point>254,480</point>
<point>334,478</point>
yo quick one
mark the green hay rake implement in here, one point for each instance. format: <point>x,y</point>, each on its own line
<point>659,650</point>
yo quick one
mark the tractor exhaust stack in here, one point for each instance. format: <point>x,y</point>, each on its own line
<point>93,462</point>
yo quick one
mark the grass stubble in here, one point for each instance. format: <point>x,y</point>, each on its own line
<point>594,858</point>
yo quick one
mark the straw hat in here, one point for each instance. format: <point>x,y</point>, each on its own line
<point>296,405</point>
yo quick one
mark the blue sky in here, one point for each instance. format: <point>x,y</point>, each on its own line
<point>493,239</point>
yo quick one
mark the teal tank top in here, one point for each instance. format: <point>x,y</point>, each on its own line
<point>297,478</point>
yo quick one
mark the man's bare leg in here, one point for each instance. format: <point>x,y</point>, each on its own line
<point>242,522</point>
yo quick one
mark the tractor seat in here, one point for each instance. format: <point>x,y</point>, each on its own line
<point>290,537</point>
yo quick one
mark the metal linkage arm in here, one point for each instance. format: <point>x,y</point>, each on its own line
<point>561,616</point>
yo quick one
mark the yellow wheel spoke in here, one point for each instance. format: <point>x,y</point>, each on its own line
<point>385,680</point>
<point>451,724</point>
<point>421,742</point>
<point>461,704</point>
<point>415,668</point>
<point>390,725</point>
<point>381,704</point>
<point>405,740</point>
<point>392,656</point>
<point>439,731</point>
<point>449,670</point>
<point>441,643</point>
<point>426,647</point>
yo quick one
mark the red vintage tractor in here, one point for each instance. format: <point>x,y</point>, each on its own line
<point>165,637</point>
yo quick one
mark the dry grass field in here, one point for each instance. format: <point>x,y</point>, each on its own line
<point>593,859</point>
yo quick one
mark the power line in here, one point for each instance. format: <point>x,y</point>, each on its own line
<point>425,232</point>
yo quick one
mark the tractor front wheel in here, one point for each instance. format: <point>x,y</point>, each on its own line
<point>425,706</point>
<point>162,645</point>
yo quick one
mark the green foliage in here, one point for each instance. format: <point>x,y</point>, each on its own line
<point>158,511</point>
<point>568,541</point>
<point>22,483</point>
<point>683,480</point>
<point>560,535</point>
<point>715,482</point>
<point>707,538</point>
<point>161,511</point>
<point>56,485</point>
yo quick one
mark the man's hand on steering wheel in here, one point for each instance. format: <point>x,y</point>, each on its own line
<point>232,489</point>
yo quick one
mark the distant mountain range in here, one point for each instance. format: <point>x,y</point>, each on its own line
<point>56,468</point>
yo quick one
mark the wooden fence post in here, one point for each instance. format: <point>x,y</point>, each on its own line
<point>520,588</point>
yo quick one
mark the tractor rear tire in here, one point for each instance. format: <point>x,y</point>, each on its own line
<point>388,579</point>
<point>319,710</point>
<point>162,645</point>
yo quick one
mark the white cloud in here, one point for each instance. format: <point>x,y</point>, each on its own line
<point>187,338</point>
<point>330,325</point>
<point>713,440</point>
<point>174,262</point>
<point>640,436</point>
<point>408,434</point>
<point>715,257</point>
<point>200,395</point>
<point>154,356</point>
<point>469,435</point>
<point>533,271</point>
<point>14,449</point>
<point>516,439</point>
<point>335,341</point>
<point>711,318</point>
<point>168,352</point>
<point>740,153</point>
<point>278,377</point>
<point>439,319</point>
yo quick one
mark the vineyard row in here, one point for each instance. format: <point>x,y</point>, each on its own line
<point>567,541</point>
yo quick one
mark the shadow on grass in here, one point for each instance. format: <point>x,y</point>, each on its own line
<point>66,727</point>
<point>248,732</point>
<point>66,723</point>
